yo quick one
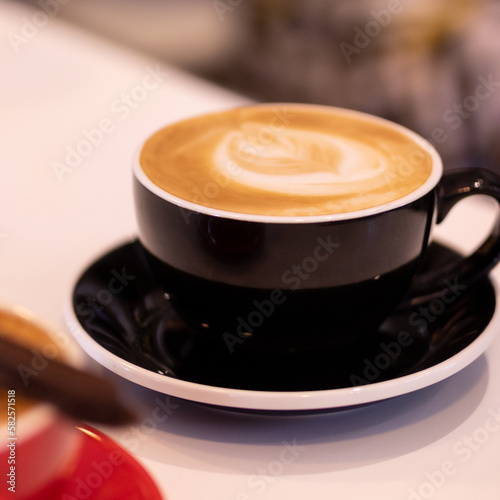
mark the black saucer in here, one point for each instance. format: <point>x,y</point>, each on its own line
<point>119,305</point>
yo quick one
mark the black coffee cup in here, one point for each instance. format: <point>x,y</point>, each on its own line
<point>273,285</point>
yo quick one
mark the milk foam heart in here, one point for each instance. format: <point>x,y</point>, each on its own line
<point>286,160</point>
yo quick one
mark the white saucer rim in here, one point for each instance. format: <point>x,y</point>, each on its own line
<point>329,399</point>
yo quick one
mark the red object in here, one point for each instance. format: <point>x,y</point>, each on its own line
<point>102,470</point>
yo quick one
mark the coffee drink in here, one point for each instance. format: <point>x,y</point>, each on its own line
<point>270,223</point>
<point>287,233</point>
<point>286,160</point>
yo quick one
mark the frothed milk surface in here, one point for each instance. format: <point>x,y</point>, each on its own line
<point>286,160</point>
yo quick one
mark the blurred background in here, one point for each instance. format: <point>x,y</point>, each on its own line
<point>432,65</point>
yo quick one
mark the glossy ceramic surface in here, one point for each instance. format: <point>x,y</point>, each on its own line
<point>136,333</point>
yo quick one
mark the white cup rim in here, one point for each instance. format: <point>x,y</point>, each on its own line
<point>425,188</point>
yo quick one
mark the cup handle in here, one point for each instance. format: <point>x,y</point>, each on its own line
<point>455,186</point>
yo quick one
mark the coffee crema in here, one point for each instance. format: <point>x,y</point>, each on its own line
<point>286,160</point>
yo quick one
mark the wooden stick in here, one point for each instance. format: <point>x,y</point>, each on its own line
<point>79,394</point>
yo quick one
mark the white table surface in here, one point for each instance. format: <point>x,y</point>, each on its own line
<point>56,84</point>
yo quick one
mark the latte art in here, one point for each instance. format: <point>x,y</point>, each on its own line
<point>286,160</point>
<point>301,163</point>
